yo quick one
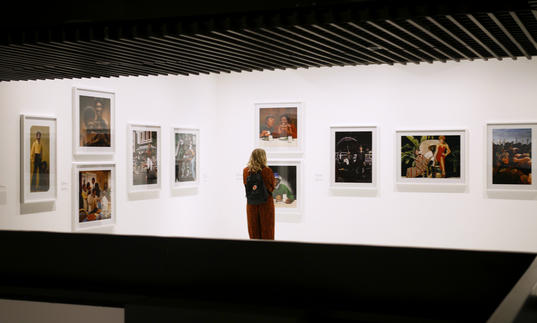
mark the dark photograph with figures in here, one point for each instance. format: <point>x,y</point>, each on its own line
<point>95,116</point>
<point>145,157</point>
<point>353,156</point>
<point>431,156</point>
<point>285,193</point>
<point>511,156</point>
<point>185,157</point>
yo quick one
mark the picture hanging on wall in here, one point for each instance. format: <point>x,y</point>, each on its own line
<point>94,197</point>
<point>38,159</point>
<point>353,158</point>
<point>287,193</point>
<point>510,149</point>
<point>93,122</point>
<point>185,159</point>
<point>144,167</point>
<point>435,157</point>
<point>279,127</point>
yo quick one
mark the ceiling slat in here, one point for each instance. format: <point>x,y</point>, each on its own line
<point>490,35</point>
<point>471,35</point>
<point>508,34</point>
<point>444,29</point>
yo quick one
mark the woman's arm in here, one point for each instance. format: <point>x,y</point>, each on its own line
<point>448,151</point>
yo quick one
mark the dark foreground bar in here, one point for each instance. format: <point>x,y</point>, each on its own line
<point>158,279</point>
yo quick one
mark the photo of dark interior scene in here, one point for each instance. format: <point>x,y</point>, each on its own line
<point>94,121</point>
<point>353,156</point>
<point>39,159</point>
<point>185,157</point>
<point>285,193</point>
<point>278,123</point>
<point>431,156</point>
<point>144,159</point>
<point>511,156</point>
<point>95,198</point>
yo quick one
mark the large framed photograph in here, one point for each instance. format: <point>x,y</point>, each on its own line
<point>287,194</point>
<point>185,159</point>
<point>38,159</point>
<point>510,148</point>
<point>93,122</point>
<point>353,157</point>
<point>94,195</point>
<point>144,168</point>
<point>279,127</point>
<point>432,157</point>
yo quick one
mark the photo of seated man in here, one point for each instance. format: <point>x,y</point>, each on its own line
<point>94,203</point>
<point>285,190</point>
<point>94,122</point>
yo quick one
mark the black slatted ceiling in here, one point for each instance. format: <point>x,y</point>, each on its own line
<point>342,35</point>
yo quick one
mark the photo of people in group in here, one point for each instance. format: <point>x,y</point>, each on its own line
<point>511,156</point>
<point>285,191</point>
<point>94,121</point>
<point>354,156</point>
<point>39,158</point>
<point>144,157</point>
<point>278,124</point>
<point>436,156</point>
<point>95,195</point>
<point>185,157</point>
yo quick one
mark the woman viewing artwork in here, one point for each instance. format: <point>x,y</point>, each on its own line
<point>259,183</point>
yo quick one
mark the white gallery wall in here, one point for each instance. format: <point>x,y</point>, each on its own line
<point>442,96</point>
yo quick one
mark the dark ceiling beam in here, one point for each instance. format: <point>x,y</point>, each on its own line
<point>312,49</point>
<point>452,35</point>
<point>490,35</point>
<point>406,31</point>
<point>264,50</point>
<point>373,54</point>
<point>471,35</point>
<point>272,47</point>
<point>506,32</point>
<point>438,39</point>
<point>368,58</point>
<point>523,28</point>
<point>347,59</point>
<point>384,39</point>
<point>407,42</point>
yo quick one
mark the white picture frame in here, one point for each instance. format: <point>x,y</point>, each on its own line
<point>183,169</point>
<point>455,173</point>
<point>349,176</point>
<point>282,209</point>
<point>82,217</point>
<point>142,177</point>
<point>512,134</point>
<point>274,144</point>
<point>86,103</point>
<point>35,188</point>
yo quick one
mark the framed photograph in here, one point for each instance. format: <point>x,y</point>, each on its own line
<point>433,156</point>
<point>510,148</point>
<point>143,165</point>
<point>287,194</point>
<point>185,159</point>
<point>93,122</point>
<point>353,157</point>
<point>94,195</point>
<point>38,159</point>
<point>279,127</point>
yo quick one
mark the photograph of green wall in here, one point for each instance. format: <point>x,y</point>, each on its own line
<point>285,193</point>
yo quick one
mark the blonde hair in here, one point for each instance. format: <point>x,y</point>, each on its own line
<point>258,160</point>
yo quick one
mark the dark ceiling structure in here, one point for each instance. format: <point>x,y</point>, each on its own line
<point>140,39</point>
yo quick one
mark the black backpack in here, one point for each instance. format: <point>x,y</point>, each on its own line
<point>260,194</point>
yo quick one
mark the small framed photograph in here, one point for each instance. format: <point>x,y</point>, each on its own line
<point>279,127</point>
<point>143,165</point>
<point>185,157</point>
<point>353,157</point>
<point>431,157</point>
<point>287,194</point>
<point>510,148</point>
<point>93,122</point>
<point>94,195</point>
<point>38,159</point>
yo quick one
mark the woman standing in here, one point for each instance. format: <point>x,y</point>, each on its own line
<point>261,216</point>
<point>442,150</point>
